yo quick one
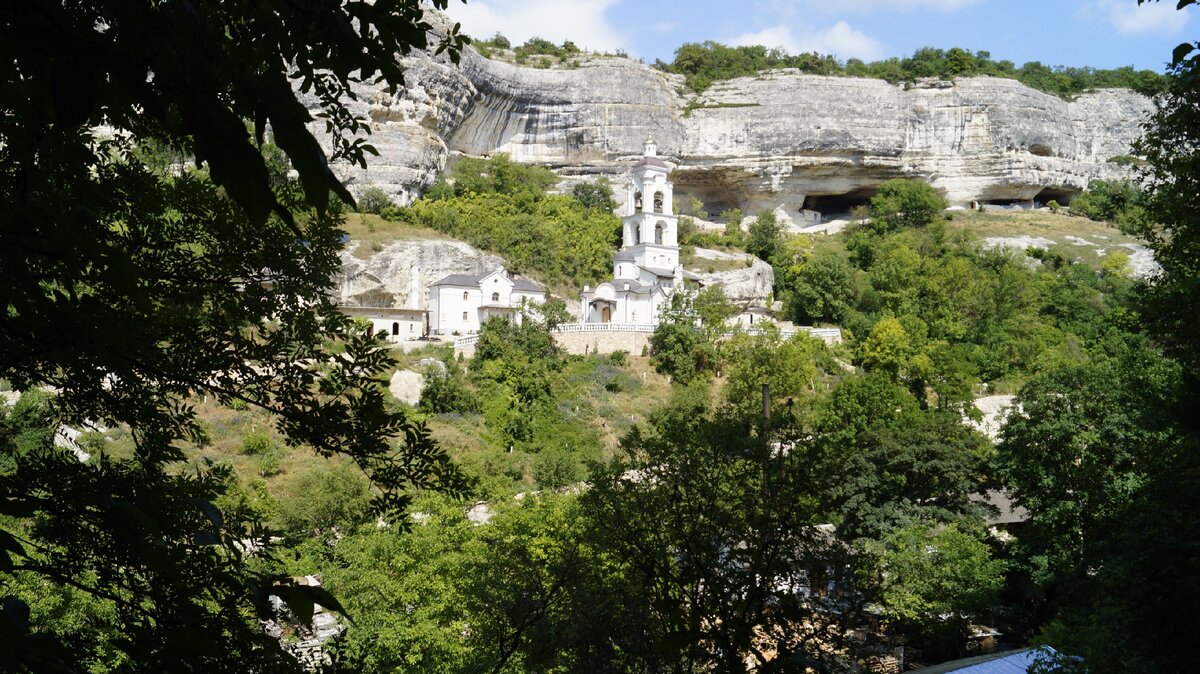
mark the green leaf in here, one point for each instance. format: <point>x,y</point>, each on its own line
<point>210,511</point>
<point>322,596</point>
<point>298,602</point>
<point>1181,52</point>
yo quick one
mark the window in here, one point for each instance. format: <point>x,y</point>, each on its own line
<point>495,297</point>
<point>464,315</point>
<point>395,328</point>
<point>464,294</point>
<point>658,202</point>
<point>637,201</point>
<point>658,233</point>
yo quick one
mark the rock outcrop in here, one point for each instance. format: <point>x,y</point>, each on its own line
<point>750,283</point>
<point>781,139</point>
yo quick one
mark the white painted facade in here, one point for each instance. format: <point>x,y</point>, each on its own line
<point>399,324</point>
<point>646,269</point>
<point>460,303</point>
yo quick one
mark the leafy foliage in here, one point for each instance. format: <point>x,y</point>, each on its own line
<point>901,203</point>
<point>374,200</point>
<point>597,195</point>
<point>133,283</point>
<point>684,343</point>
<point>502,206</point>
<point>704,63</point>
<point>721,541</point>
<point>937,582</point>
<point>764,235</point>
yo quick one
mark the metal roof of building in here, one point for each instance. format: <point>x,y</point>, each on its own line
<point>460,280</point>
<point>1013,662</point>
<point>472,280</point>
<point>522,283</point>
<point>659,271</point>
<point>652,161</point>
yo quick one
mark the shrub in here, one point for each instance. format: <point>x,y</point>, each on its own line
<point>373,200</point>
<point>394,213</point>
<point>618,358</point>
<point>500,41</point>
<point>256,443</point>
<point>1105,200</point>
<point>763,236</point>
<point>903,203</point>
<point>271,461</point>
<point>325,497</point>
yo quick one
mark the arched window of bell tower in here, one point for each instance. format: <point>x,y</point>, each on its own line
<point>658,233</point>
<point>637,201</point>
<point>658,202</point>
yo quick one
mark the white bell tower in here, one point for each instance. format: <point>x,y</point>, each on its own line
<point>651,230</point>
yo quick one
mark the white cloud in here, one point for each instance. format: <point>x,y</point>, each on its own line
<point>1154,18</point>
<point>580,21</point>
<point>840,39</point>
<point>883,5</point>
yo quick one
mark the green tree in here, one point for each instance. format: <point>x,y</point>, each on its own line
<point>764,236</point>
<point>824,290</point>
<point>325,500</point>
<point>882,462</point>
<point>935,582</point>
<point>902,203</point>
<point>788,366</point>
<point>888,347</point>
<point>188,266</point>
<point>374,200</point>
<point>722,545</point>
<point>1078,449</point>
<point>1106,200</point>
<point>597,195</point>
<point>684,341</point>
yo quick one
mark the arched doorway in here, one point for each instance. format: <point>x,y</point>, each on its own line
<point>606,314</point>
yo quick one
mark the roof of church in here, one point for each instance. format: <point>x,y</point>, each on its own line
<point>652,161</point>
<point>522,283</point>
<point>623,256</point>
<point>659,271</point>
<point>634,286</point>
<point>519,282</point>
<point>460,280</point>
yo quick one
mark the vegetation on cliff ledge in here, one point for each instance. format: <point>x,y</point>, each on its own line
<point>703,63</point>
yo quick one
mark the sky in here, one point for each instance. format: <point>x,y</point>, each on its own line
<point>1097,33</point>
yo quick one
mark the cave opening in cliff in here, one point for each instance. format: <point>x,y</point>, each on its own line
<point>1062,196</point>
<point>831,204</point>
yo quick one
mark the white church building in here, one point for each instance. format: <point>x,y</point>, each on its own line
<point>460,303</point>
<point>646,269</point>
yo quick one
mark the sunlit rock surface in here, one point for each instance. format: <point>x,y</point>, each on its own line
<point>781,139</point>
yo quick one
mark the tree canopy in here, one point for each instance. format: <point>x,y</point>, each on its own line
<point>133,284</point>
<point>707,62</point>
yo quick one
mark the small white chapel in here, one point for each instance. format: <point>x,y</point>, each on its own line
<point>646,269</point>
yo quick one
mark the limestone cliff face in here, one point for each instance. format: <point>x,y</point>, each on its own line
<point>780,139</point>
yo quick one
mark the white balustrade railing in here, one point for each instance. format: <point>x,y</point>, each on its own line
<point>826,334</point>
<point>605,327</point>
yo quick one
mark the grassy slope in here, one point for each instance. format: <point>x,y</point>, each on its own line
<point>1052,226</point>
